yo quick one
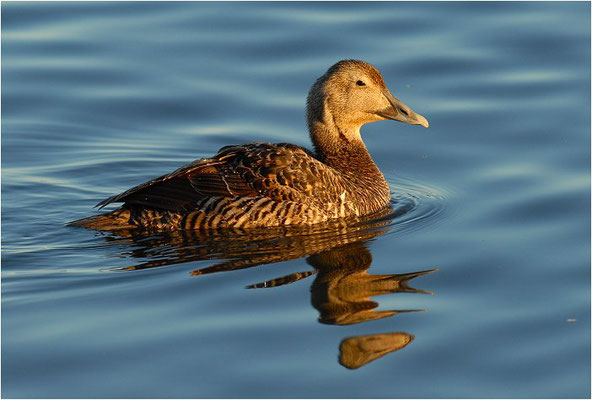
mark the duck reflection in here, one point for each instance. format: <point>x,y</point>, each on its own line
<point>358,351</point>
<point>342,290</point>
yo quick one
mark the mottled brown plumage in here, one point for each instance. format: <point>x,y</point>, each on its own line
<point>263,184</point>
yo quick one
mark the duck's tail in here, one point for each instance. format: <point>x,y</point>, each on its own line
<point>111,221</point>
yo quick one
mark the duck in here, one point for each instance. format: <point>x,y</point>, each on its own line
<point>277,184</point>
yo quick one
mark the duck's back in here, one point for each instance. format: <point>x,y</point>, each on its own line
<point>257,184</point>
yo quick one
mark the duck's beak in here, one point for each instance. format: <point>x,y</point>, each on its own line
<point>401,112</point>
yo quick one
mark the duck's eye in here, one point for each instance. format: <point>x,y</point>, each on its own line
<point>360,83</point>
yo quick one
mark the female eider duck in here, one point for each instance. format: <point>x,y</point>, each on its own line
<point>263,184</point>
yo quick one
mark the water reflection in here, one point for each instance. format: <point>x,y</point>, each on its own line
<point>342,290</point>
<point>358,351</point>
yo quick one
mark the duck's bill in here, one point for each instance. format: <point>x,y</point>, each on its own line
<point>401,112</point>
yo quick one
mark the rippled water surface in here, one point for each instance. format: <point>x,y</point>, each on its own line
<point>477,284</point>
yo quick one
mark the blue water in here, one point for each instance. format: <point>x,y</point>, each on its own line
<point>495,195</point>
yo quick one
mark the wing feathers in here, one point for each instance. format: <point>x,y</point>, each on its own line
<point>278,171</point>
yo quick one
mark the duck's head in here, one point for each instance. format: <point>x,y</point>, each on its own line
<point>352,93</point>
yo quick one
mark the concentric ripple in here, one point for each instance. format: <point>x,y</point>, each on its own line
<point>415,205</point>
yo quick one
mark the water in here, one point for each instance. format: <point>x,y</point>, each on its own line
<point>495,195</point>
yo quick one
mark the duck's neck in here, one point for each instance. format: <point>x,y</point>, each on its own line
<point>343,149</point>
<point>340,147</point>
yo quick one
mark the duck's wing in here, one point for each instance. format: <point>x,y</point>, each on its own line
<point>277,171</point>
<point>172,191</point>
<point>281,172</point>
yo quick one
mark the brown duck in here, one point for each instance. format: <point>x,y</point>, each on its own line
<point>263,184</point>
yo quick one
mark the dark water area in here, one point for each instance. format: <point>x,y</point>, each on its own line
<point>477,284</point>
